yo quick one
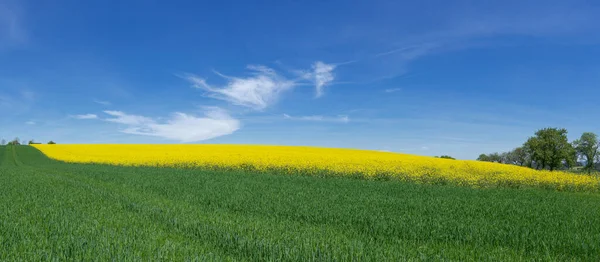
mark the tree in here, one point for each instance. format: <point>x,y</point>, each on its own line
<point>447,157</point>
<point>519,156</point>
<point>14,142</point>
<point>483,157</point>
<point>529,152</point>
<point>587,149</point>
<point>32,142</point>
<point>571,161</point>
<point>550,148</point>
<point>493,157</point>
<point>502,158</point>
<point>51,143</point>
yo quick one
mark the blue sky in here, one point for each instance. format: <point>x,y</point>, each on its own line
<point>423,77</point>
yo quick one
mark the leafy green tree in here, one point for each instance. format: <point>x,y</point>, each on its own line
<point>587,149</point>
<point>493,157</point>
<point>550,148</point>
<point>505,158</point>
<point>447,157</point>
<point>530,162</point>
<point>483,157</point>
<point>51,142</point>
<point>519,156</point>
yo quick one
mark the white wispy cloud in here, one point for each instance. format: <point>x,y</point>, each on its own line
<point>319,118</point>
<point>85,116</point>
<point>396,50</point>
<point>181,127</point>
<point>475,26</point>
<point>323,75</point>
<point>320,75</point>
<point>258,91</point>
<point>101,102</point>
<point>30,122</point>
<point>123,118</point>
<point>264,86</point>
<point>392,90</point>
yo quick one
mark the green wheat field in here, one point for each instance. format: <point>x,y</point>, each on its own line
<point>53,211</point>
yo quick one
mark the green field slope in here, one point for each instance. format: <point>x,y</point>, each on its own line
<point>56,211</point>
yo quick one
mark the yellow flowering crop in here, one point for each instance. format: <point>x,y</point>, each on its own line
<point>322,161</point>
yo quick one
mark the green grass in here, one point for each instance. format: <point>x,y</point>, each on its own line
<point>55,211</point>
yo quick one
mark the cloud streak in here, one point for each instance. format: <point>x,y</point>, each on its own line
<point>321,75</point>
<point>263,86</point>
<point>85,116</point>
<point>319,118</point>
<point>180,126</point>
<point>392,90</point>
<point>474,25</point>
<point>126,119</point>
<point>259,90</point>
<point>101,102</point>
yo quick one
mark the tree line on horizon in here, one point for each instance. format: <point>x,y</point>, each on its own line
<point>17,141</point>
<point>550,149</point>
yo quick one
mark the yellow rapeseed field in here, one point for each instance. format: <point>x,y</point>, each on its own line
<point>323,161</point>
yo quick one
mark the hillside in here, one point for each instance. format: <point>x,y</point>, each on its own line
<point>53,210</point>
